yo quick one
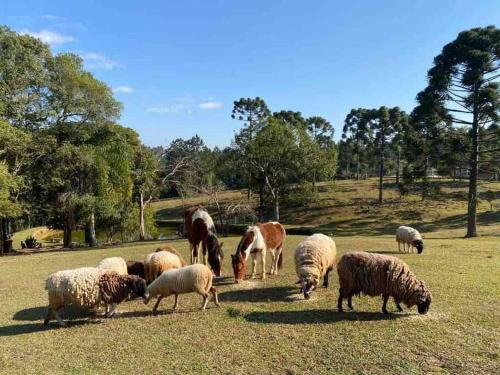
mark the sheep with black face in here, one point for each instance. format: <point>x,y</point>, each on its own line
<point>409,237</point>
<point>381,275</point>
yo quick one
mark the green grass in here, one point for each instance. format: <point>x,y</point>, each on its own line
<point>264,327</point>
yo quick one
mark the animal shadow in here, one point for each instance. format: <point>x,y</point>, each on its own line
<point>33,314</point>
<point>316,316</point>
<point>276,294</point>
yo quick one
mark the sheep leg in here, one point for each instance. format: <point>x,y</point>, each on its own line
<point>205,301</point>
<point>111,310</point>
<point>263,259</point>
<point>176,302</point>
<point>254,265</point>
<point>339,303</point>
<point>399,246</point>
<point>216,298</point>
<point>325,278</point>
<point>349,303</point>
<point>155,308</point>
<point>58,317</point>
<point>384,305</point>
<point>48,317</point>
<point>398,306</point>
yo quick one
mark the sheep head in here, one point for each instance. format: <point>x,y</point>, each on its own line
<point>424,299</point>
<point>308,285</point>
<point>419,244</point>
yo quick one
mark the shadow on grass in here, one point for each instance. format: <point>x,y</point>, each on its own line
<point>317,316</point>
<point>21,329</point>
<point>226,280</point>
<point>275,294</point>
<point>33,314</point>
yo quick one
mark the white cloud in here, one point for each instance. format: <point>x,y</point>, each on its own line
<point>95,60</point>
<point>123,89</point>
<point>171,108</point>
<point>50,17</point>
<point>50,37</point>
<point>210,105</point>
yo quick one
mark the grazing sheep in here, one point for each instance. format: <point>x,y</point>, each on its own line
<point>161,261</point>
<point>88,287</point>
<point>409,236</point>
<point>135,267</point>
<point>172,250</point>
<point>377,274</point>
<point>116,264</point>
<point>194,278</point>
<point>314,258</point>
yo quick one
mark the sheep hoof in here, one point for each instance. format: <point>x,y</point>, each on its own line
<point>385,312</point>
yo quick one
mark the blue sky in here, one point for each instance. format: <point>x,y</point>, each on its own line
<point>177,66</point>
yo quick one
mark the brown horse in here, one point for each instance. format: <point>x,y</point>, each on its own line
<point>258,239</point>
<point>200,228</point>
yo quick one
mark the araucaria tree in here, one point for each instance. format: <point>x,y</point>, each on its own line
<point>465,83</point>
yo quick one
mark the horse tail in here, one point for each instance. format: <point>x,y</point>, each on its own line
<point>280,259</point>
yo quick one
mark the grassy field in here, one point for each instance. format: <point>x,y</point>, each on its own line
<point>267,327</point>
<point>264,327</point>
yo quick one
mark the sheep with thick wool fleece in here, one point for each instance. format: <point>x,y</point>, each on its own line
<point>161,261</point>
<point>195,278</point>
<point>116,264</point>
<point>87,287</point>
<point>380,274</point>
<point>409,236</point>
<point>314,258</point>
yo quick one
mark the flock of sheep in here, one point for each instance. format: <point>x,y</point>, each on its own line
<point>165,273</point>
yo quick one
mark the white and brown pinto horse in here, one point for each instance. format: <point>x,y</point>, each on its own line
<point>200,228</point>
<point>259,239</point>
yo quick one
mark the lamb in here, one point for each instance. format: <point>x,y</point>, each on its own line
<point>194,278</point>
<point>116,264</point>
<point>314,258</point>
<point>409,236</point>
<point>172,250</point>
<point>135,267</point>
<point>161,261</point>
<point>377,274</point>
<point>88,287</point>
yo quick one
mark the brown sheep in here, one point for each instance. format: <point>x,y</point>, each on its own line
<point>377,274</point>
<point>135,267</point>
<point>161,261</point>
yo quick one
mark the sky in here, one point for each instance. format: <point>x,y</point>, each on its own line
<point>178,65</point>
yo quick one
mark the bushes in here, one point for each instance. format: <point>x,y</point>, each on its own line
<point>30,243</point>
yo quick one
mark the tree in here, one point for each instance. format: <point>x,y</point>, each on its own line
<point>356,128</point>
<point>465,83</point>
<point>24,78</point>
<point>385,123</point>
<point>274,155</point>
<point>254,113</point>
<point>146,183</point>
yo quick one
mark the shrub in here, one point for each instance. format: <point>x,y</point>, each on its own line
<point>30,243</point>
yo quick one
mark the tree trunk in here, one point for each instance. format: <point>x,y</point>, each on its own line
<point>425,183</point>
<point>261,201</point>
<point>398,161</point>
<point>381,175</point>
<point>357,166</point>
<point>142,227</point>
<point>90,237</point>
<point>474,160</point>
<point>68,236</point>
<point>276,206</point>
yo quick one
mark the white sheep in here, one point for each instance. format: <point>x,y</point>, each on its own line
<point>87,287</point>
<point>314,258</point>
<point>194,278</point>
<point>161,261</point>
<point>409,236</point>
<point>116,264</point>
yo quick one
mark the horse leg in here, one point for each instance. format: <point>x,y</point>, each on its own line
<point>263,259</point>
<point>273,262</point>
<point>204,249</point>
<point>191,247</point>
<point>254,265</point>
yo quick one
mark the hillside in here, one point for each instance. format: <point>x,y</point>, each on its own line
<point>349,207</point>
